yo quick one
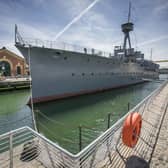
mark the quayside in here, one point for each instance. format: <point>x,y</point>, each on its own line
<point>25,146</point>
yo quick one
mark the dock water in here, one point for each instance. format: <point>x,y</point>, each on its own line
<point>107,151</point>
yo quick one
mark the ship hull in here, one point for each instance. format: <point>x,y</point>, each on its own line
<point>68,95</point>
<point>60,74</point>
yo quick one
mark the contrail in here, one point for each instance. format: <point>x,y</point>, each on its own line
<point>76,19</point>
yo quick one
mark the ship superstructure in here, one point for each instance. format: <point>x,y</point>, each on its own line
<point>59,70</point>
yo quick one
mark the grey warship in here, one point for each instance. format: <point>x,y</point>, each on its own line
<point>60,70</point>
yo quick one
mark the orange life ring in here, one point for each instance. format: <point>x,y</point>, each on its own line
<point>131,129</point>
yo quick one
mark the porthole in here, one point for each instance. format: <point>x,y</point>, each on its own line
<point>92,73</point>
<point>58,53</point>
<point>65,58</point>
<point>83,74</point>
<point>73,74</point>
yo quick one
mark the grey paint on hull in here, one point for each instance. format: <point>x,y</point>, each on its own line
<point>56,72</point>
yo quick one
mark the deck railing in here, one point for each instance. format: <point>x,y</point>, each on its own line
<point>19,40</point>
<point>24,145</point>
<point>62,46</point>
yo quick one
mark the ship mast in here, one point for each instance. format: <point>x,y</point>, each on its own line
<point>151,54</point>
<point>126,28</point>
<point>129,12</point>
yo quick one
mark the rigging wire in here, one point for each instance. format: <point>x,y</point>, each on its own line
<point>136,42</point>
<point>48,130</point>
<point>49,119</point>
<point>134,18</point>
<point>31,92</point>
<point>52,133</point>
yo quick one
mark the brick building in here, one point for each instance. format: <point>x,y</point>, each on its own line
<point>12,64</point>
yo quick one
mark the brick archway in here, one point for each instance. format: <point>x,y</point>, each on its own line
<point>14,61</point>
<point>5,68</point>
<point>10,65</point>
<point>7,60</point>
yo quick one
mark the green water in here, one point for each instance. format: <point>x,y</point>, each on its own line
<point>14,112</point>
<point>60,120</point>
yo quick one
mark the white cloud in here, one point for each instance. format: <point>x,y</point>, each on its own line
<point>162,7</point>
<point>154,40</point>
<point>94,29</point>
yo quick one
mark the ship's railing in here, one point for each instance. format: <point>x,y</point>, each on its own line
<point>24,146</point>
<point>61,46</point>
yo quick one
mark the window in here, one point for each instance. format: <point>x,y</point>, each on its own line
<point>18,70</point>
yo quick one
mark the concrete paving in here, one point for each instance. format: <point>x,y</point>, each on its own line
<point>160,155</point>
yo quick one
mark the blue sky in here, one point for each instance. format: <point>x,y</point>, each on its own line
<point>98,28</point>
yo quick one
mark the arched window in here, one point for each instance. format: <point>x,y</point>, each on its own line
<point>5,69</point>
